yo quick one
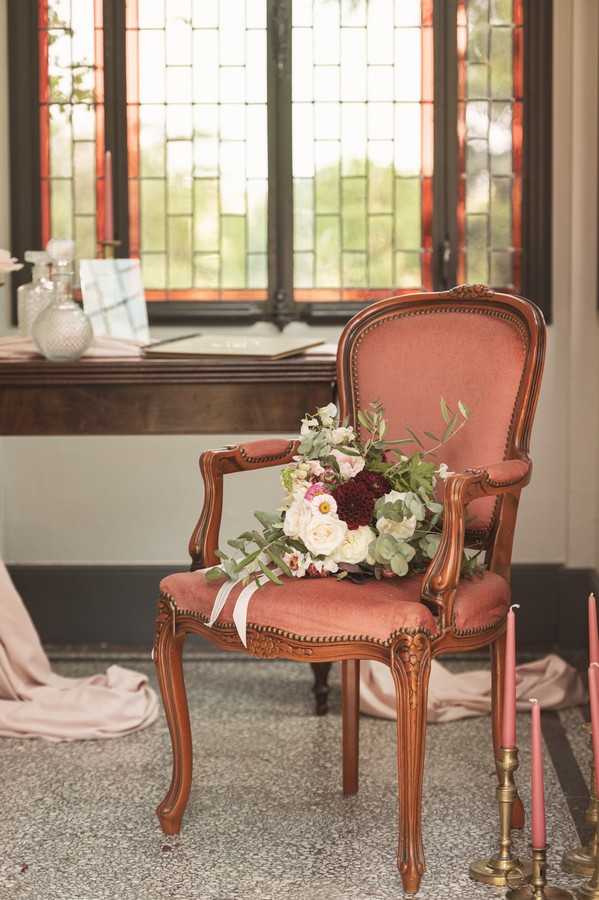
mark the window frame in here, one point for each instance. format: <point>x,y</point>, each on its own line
<point>280,307</point>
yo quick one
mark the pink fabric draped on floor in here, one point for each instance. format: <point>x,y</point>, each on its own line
<point>35,702</point>
<point>459,696</point>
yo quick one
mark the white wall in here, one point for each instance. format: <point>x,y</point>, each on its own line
<point>136,499</point>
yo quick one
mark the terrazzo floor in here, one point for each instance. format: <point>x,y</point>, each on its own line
<point>266,819</point>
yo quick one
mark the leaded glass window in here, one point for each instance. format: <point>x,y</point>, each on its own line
<point>71,122</point>
<point>291,158</point>
<point>362,147</point>
<point>490,100</point>
<point>197,142</point>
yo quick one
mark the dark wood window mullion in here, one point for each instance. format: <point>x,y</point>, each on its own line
<point>445,172</point>
<point>115,116</point>
<point>23,68</point>
<point>280,164</point>
<point>537,155</point>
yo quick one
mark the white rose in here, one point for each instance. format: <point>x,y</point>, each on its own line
<point>348,465</point>
<point>342,435</point>
<point>354,548</point>
<point>298,491</point>
<point>443,471</point>
<point>298,513</point>
<point>403,530</point>
<point>328,414</point>
<point>323,534</point>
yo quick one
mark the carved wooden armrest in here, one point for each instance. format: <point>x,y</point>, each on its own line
<point>443,574</point>
<point>213,465</point>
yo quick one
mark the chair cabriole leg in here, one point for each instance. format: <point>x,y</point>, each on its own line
<point>350,705</point>
<point>410,667</point>
<point>321,686</point>
<point>497,675</point>
<point>168,658</point>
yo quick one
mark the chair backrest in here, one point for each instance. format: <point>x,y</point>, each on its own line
<point>470,344</point>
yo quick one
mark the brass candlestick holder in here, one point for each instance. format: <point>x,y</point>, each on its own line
<point>581,860</point>
<point>494,871</point>
<point>109,248</point>
<point>536,887</point>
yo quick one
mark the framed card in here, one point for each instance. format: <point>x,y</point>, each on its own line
<point>113,298</point>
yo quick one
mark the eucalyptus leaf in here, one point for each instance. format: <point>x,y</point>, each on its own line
<point>406,550</point>
<point>268,519</point>
<point>237,543</point>
<point>445,411</point>
<point>269,573</point>
<point>399,565</point>
<point>415,436</point>
<point>386,546</point>
<point>279,561</point>
<point>450,427</point>
<point>248,560</point>
<point>350,451</point>
<point>215,574</point>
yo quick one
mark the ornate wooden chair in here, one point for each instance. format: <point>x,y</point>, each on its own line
<point>470,344</point>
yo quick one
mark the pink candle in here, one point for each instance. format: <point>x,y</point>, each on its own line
<point>108,212</point>
<point>593,631</point>
<point>508,727</point>
<point>594,698</point>
<point>538,827</point>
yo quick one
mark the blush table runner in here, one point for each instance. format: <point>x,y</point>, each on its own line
<point>16,347</point>
<point>35,702</point>
<point>461,695</point>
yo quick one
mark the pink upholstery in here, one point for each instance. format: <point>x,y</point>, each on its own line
<point>253,451</point>
<point>328,608</point>
<point>510,471</point>
<point>409,360</point>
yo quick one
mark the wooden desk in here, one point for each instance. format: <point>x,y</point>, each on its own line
<point>162,396</point>
<point>157,396</point>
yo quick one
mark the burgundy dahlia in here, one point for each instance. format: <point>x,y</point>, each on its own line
<point>355,503</point>
<point>376,483</point>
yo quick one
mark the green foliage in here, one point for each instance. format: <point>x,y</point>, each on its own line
<point>407,520</point>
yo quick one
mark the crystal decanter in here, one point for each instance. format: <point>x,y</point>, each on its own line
<point>36,295</point>
<point>62,331</point>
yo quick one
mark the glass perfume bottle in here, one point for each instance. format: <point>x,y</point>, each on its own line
<point>62,331</point>
<point>36,295</point>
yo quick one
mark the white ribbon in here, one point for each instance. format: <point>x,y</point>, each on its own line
<point>220,600</point>
<point>241,604</point>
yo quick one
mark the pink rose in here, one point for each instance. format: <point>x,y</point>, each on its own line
<point>315,489</point>
<point>348,465</point>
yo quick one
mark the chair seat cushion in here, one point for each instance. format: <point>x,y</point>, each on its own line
<point>327,608</point>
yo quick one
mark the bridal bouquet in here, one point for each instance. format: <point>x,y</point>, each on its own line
<point>353,506</point>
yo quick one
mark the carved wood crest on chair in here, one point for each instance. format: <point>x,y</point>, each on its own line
<point>471,344</point>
